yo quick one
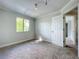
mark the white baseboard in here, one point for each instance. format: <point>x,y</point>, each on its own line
<point>5,45</point>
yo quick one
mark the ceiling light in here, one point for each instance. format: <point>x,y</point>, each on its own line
<point>45,2</point>
<point>36,6</point>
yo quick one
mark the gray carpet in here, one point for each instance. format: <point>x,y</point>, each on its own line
<point>41,50</point>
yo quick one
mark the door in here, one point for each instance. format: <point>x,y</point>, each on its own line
<point>57,30</point>
<point>70,30</point>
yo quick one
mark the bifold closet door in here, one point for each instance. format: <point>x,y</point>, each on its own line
<point>57,30</point>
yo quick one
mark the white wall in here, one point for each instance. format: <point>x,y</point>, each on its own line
<point>43,29</point>
<point>8,34</point>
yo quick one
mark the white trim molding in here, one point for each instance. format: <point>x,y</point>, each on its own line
<point>71,5</point>
<point>78,29</point>
<point>14,43</point>
<point>51,14</point>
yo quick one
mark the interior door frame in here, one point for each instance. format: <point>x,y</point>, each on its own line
<point>77,31</point>
<point>64,31</point>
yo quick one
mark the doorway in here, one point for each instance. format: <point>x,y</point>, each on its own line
<point>71,30</point>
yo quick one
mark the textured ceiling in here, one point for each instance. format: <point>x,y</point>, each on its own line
<point>27,6</point>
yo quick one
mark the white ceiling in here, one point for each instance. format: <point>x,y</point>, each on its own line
<point>27,6</point>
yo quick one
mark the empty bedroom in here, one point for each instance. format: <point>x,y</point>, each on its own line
<point>39,29</point>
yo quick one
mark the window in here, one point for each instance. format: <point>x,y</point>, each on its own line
<point>22,25</point>
<point>26,25</point>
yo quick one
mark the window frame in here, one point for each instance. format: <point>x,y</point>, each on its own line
<point>17,30</point>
